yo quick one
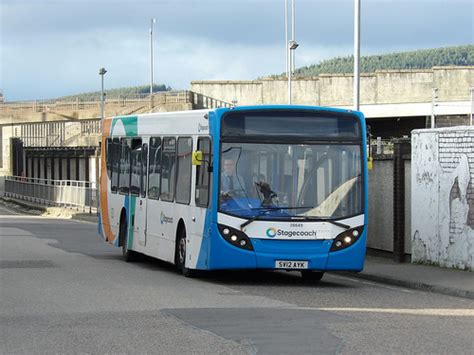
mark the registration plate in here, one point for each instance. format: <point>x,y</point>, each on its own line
<point>291,264</point>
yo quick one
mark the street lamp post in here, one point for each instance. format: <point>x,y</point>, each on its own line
<point>102,72</point>
<point>292,45</point>
<point>287,53</point>
<point>293,27</point>
<point>152,22</point>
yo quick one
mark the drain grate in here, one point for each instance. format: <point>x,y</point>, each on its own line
<point>25,264</point>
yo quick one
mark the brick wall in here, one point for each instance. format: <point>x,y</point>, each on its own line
<point>452,146</point>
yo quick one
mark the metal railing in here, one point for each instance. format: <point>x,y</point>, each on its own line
<point>163,97</point>
<point>79,195</point>
<point>203,101</point>
<point>56,133</point>
<point>70,103</point>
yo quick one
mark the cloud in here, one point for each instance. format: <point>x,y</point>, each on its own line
<point>52,48</point>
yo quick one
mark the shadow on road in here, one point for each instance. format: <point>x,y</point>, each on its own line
<point>242,277</point>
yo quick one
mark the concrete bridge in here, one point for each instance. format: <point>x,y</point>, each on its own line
<point>392,95</point>
<point>50,139</point>
<point>394,101</point>
<point>76,109</point>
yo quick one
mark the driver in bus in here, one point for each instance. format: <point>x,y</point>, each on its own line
<point>232,184</point>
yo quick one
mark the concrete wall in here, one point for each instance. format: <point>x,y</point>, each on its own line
<point>452,81</point>
<point>7,134</point>
<point>382,87</point>
<point>381,205</point>
<point>443,197</point>
<point>243,90</point>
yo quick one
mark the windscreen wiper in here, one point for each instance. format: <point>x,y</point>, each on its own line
<point>257,216</point>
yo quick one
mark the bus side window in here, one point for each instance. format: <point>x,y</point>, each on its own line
<point>135,167</point>
<point>202,173</point>
<point>108,157</point>
<point>143,170</point>
<point>168,169</point>
<point>154,172</point>
<point>185,149</point>
<point>124,172</point>
<point>115,164</point>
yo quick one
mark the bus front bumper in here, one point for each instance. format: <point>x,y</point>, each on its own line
<point>267,252</point>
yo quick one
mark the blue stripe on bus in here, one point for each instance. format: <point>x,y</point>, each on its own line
<point>203,258</point>
<point>211,213</point>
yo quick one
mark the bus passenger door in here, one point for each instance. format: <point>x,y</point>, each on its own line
<point>202,186</point>
<point>140,224</point>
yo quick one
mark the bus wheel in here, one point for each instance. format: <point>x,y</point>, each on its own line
<point>181,254</point>
<point>127,255</point>
<point>309,275</point>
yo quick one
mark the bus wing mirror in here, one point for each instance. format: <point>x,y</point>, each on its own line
<point>197,157</point>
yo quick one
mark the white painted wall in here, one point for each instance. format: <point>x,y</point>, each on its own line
<point>442,186</point>
<point>7,134</point>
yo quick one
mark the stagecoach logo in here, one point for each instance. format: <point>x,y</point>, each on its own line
<point>271,232</point>
<point>202,128</point>
<point>164,219</point>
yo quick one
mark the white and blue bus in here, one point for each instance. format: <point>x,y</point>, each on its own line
<point>256,187</point>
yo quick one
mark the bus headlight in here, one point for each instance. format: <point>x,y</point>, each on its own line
<point>235,237</point>
<point>346,238</point>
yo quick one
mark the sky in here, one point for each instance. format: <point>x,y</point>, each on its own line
<point>53,48</point>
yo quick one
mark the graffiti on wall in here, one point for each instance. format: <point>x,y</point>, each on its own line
<point>457,233</point>
<point>443,197</point>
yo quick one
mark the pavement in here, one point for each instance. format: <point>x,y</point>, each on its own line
<point>429,278</point>
<point>420,277</point>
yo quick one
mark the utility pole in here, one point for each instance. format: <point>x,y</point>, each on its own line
<point>102,72</point>
<point>356,54</point>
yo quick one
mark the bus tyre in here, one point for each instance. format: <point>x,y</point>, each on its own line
<point>181,254</point>
<point>312,276</point>
<point>127,255</point>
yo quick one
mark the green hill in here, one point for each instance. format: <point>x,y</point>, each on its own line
<point>420,59</point>
<point>117,92</point>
